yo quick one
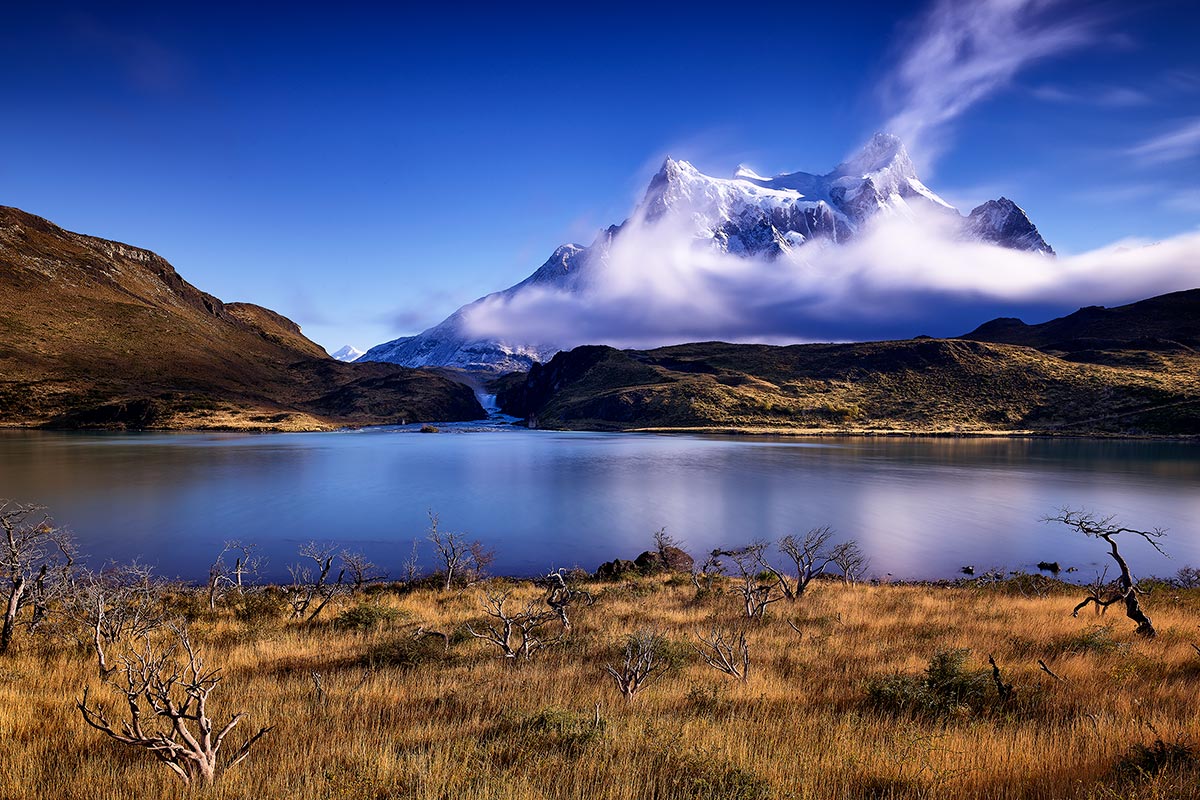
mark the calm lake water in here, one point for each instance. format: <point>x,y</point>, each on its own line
<point>920,508</point>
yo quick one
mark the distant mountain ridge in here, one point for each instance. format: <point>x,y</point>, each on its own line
<point>1163,321</point>
<point>96,333</point>
<point>745,215</point>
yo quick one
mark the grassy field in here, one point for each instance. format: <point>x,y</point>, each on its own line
<point>835,705</point>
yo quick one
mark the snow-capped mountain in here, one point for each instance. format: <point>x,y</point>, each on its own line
<point>1005,223</point>
<point>744,215</point>
<point>347,353</point>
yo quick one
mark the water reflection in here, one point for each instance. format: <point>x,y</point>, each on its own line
<point>920,507</point>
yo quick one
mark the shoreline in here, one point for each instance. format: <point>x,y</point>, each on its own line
<point>750,432</point>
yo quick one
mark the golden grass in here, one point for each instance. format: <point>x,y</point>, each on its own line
<point>468,725</point>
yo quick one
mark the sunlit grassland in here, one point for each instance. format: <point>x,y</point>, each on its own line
<point>413,719</point>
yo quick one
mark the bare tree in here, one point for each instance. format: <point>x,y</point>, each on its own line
<point>313,587</point>
<point>810,555</point>
<point>1099,592</point>
<point>173,688</point>
<point>644,662</point>
<point>706,575</point>
<point>360,569</point>
<point>412,564</point>
<point>462,560</point>
<point>35,558</point>
<point>851,560</point>
<point>223,575</point>
<point>1106,528</point>
<point>517,634</point>
<point>561,598</point>
<point>120,602</point>
<point>756,594</point>
<point>725,653</point>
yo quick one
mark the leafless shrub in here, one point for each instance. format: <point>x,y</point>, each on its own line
<point>1106,528</point>
<point>360,570</point>
<point>644,662</point>
<point>35,561</point>
<point>412,564</point>
<point>517,634</point>
<point>118,603</point>
<point>1188,578</point>
<point>561,598</point>
<point>809,555</point>
<point>225,574</point>
<point>312,587</point>
<point>463,561</point>
<point>849,558</point>
<point>707,573</point>
<point>725,653</point>
<point>756,594</point>
<point>167,692</point>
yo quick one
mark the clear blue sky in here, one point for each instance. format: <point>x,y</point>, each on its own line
<point>366,170</point>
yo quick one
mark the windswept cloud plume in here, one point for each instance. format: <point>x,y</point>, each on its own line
<point>963,52</point>
<point>657,285</point>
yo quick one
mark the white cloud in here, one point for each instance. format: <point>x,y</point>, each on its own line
<point>1179,144</point>
<point>963,52</point>
<point>658,286</point>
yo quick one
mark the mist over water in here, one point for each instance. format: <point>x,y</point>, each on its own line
<point>921,508</point>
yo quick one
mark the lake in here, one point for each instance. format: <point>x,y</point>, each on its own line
<point>919,507</point>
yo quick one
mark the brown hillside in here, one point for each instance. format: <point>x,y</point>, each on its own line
<point>99,333</point>
<point>915,386</point>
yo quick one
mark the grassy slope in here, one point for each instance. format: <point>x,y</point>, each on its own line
<point>98,333</point>
<point>916,386</point>
<point>463,724</point>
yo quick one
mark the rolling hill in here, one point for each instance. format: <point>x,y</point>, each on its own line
<point>942,386</point>
<point>96,333</point>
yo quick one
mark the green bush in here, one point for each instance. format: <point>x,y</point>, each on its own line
<point>364,617</point>
<point>946,687</point>
<point>258,608</point>
<point>407,653</point>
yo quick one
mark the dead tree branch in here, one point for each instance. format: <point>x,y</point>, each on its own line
<point>725,653</point>
<point>517,635</point>
<point>644,662</point>
<point>166,693</point>
<point>1106,528</point>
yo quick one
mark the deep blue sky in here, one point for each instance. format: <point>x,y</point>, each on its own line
<point>367,170</point>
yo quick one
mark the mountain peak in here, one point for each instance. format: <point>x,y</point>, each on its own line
<point>744,172</point>
<point>347,353</point>
<point>1005,223</point>
<point>883,151</point>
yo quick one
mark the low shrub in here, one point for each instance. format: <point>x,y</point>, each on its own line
<point>946,687</point>
<point>1142,761</point>
<point>258,608</point>
<point>407,653</point>
<point>365,617</point>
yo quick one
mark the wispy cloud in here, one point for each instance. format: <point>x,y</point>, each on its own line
<point>1105,97</point>
<point>1178,144</point>
<point>1186,200</point>
<point>964,52</point>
